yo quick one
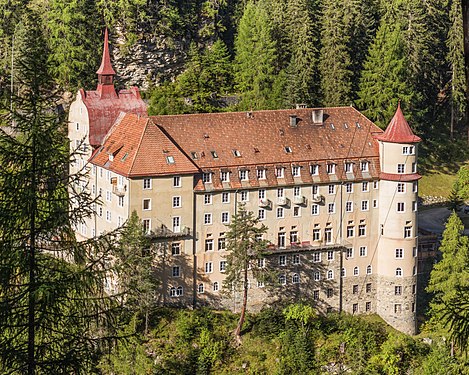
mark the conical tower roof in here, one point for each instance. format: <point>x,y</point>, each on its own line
<point>106,67</point>
<point>398,130</point>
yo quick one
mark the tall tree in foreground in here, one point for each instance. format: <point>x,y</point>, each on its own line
<point>449,282</point>
<point>53,310</point>
<point>245,246</point>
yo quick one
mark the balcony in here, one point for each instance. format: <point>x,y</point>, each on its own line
<point>283,201</point>
<point>265,203</point>
<point>318,198</point>
<point>299,200</point>
<point>119,190</point>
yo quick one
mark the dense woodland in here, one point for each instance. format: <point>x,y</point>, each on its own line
<point>55,316</point>
<point>270,54</point>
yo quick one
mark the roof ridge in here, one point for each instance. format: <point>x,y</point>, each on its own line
<point>147,120</point>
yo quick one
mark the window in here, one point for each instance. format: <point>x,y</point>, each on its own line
<point>343,272</point>
<point>295,278</point>
<point>362,251</point>
<point>400,187</point>
<point>282,280</point>
<point>236,153</point>
<point>176,202</point>
<point>397,308</point>
<point>330,275</point>
<point>375,184</point>
<point>330,168</point>
<point>176,292</point>
<point>209,244</point>
<point>225,176</point>
<point>330,255</point>
<point>243,175</point>
<point>414,289</point>
<point>408,150</point>
<point>225,197</point>
<point>331,208</point>
<point>316,295</point>
<point>407,231</point>
<point>415,187</point>
<point>314,189</point>
<point>176,271</point>
<point>225,217</point>
<point>260,283</point>
<point>282,260</point>
<point>221,244</point>
<point>399,253</point>
<point>355,289</point>
<point>175,248</point>
<point>207,219</point>
<point>146,183</point>
<point>316,257</point>
<point>295,259</point>
<point>208,267</point>
<point>295,170</point>
<point>223,266</point>
<point>328,235</point>
<point>261,214</point>
<point>294,236</point>
<point>261,263</point>
<point>207,198</point>
<point>414,206</point>
<point>261,193</point>
<point>414,251</point>
<point>176,181</point>
<point>414,270</point>
<point>399,271</point>
<point>349,253</point>
<point>176,224</point>
<point>331,189</point>
<point>108,215</point>
<point>375,203</point>
<point>400,168</point>
<point>367,306</point>
<point>316,276</point>
<point>362,230</point>
<point>355,308</point>
<point>316,234</point>
<point>170,159</point>
<point>350,231</point>
<point>200,288</point>
<point>281,239</point>
<point>296,211</point>
<point>329,292</point>
<point>314,169</point>
<point>368,288</point>
<point>297,191</point>
<point>348,206</point>
<point>146,225</point>
<point>414,167</point>
<point>364,166</point>
<point>365,186</point>
<point>364,205</point>
<point>400,206</point>
<point>280,212</point>
<point>280,193</point>
<point>121,202</point>
<point>348,187</point>
<point>244,196</point>
<point>315,209</point>
<point>261,174</point>
<point>398,290</point>
<point>348,168</point>
<point>207,177</point>
<point>216,286</point>
<point>146,204</point>
<point>214,154</point>
<point>288,149</point>
<point>279,172</point>
<point>356,271</point>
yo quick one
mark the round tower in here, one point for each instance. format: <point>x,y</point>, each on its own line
<point>397,244</point>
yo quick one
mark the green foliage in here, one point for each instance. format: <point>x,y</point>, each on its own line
<point>449,282</point>
<point>461,185</point>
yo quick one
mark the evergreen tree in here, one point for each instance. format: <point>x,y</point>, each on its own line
<point>53,311</point>
<point>255,59</point>
<point>244,246</point>
<point>449,282</point>
<point>384,77</point>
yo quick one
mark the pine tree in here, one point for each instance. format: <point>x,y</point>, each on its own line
<point>255,59</point>
<point>53,311</point>
<point>449,282</point>
<point>244,246</point>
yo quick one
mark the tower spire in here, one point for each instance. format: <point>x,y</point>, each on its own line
<point>105,68</point>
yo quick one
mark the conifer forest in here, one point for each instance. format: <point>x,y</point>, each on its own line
<point>197,56</point>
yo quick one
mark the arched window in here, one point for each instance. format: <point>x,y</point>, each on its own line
<point>296,278</point>
<point>215,286</point>
<point>316,276</point>
<point>398,271</point>
<point>330,274</point>
<point>356,271</point>
<point>200,288</point>
<point>172,292</point>
<point>282,280</point>
<point>179,291</point>
<point>368,269</point>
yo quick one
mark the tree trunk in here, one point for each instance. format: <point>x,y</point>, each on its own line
<point>243,309</point>
<point>465,20</point>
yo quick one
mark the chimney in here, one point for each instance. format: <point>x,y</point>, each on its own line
<point>318,116</point>
<point>293,123</point>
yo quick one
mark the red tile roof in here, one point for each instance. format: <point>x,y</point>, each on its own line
<point>398,130</point>
<point>106,67</point>
<point>399,177</point>
<point>136,147</point>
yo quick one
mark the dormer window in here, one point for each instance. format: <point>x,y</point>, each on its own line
<point>364,166</point>
<point>207,177</point>
<point>170,159</point>
<point>243,175</point>
<point>295,171</point>
<point>214,154</point>
<point>348,167</point>
<point>194,155</point>
<point>225,176</point>
<point>314,169</point>
<point>236,153</point>
<point>330,168</point>
<point>261,174</point>
<point>280,172</point>
<point>288,149</point>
